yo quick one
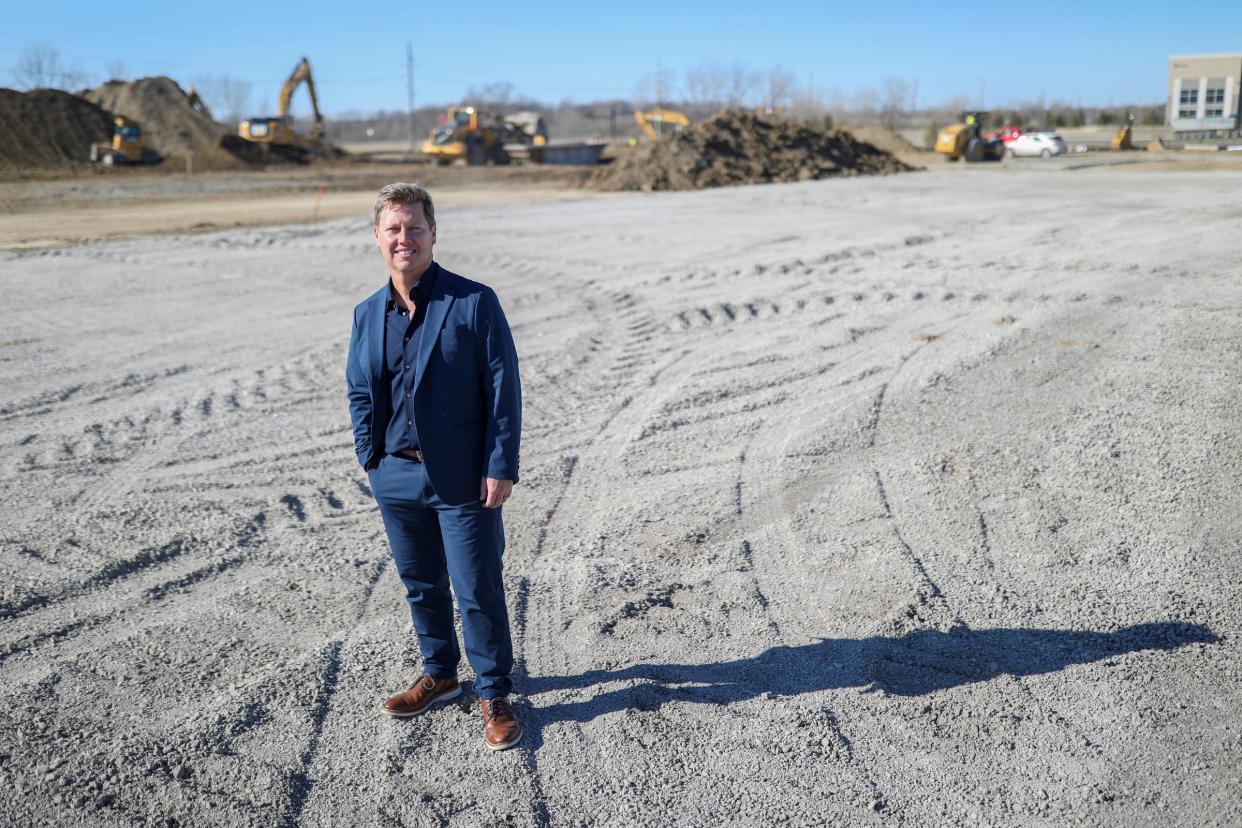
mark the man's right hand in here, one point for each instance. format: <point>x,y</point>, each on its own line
<point>494,492</point>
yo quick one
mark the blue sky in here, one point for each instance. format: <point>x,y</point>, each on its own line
<point>1086,52</point>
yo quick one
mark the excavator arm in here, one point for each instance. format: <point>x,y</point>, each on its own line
<point>655,121</point>
<point>301,73</point>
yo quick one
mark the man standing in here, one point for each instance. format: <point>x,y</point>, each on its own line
<point>435,402</point>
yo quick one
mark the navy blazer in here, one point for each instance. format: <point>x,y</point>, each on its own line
<point>467,394</point>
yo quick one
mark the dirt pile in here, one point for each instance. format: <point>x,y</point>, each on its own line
<point>162,108</point>
<point>885,139</point>
<point>48,128</point>
<point>733,148</point>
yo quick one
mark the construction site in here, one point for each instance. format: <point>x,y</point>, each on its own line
<point>870,476</point>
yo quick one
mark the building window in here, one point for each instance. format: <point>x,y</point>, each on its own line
<point>1214,99</point>
<point>1188,104</point>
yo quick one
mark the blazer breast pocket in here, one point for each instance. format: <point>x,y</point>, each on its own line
<point>456,343</point>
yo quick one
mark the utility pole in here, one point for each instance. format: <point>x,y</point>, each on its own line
<point>659,85</point>
<point>409,88</point>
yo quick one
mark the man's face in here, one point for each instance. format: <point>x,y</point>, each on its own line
<point>405,239</point>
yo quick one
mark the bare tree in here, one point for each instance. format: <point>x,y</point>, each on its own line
<point>495,95</point>
<point>229,96</point>
<point>654,88</point>
<point>706,85</point>
<point>40,65</point>
<point>778,88</point>
<point>741,85</point>
<point>866,100</point>
<point>897,99</point>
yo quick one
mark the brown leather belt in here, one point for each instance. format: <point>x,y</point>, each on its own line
<point>412,454</point>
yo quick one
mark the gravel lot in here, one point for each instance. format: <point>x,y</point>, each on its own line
<point>911,500</point>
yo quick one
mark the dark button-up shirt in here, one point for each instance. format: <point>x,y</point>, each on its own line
<point>401,343</point>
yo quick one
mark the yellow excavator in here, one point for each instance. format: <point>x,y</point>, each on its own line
<point>660,121</point>
<point>467,136</point>
<point>277,132</point>
<point>128,146</point>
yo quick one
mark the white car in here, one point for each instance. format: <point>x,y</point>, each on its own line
<point>1043,144</point>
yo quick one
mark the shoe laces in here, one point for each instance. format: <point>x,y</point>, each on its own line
<point>500,707</point>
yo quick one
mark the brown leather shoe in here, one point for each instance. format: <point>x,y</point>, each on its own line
<point>501,728</point>
<point>422,694</point>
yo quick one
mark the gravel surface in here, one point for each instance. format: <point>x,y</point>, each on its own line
<point>910,500</point>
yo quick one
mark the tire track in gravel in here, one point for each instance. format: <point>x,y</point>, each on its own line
<point>929,595</point>
<point>767,540</point>
<point>149,439</point>
<point>326,721</point>
<point>62,623</point>
<point>747,530</point>
<point>537,801</point>
<point>772,531</point>
<point>545,577</point>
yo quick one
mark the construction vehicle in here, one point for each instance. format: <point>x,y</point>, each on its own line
<point>128,146</point>
<point>277,132</point>
<point>660,121</point>
<point>965,140</point>
<point>465,135</point>
<point>1123,139</point>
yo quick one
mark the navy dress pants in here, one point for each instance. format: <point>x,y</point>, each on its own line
<point>434,544</point>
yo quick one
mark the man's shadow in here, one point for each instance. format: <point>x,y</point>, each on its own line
<point>914,664</point>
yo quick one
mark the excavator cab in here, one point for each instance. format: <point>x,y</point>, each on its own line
<point>965,140</point>
<point>128,146</point>
<point>268,131</point>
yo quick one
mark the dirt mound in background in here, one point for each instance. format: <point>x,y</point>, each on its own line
<point>48,128</point>
<point>162,108</point>
<point>177,129</point>
<point>733,148</point>
<point>884,139</point>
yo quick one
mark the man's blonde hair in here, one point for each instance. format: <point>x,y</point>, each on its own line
<point>405,192</point>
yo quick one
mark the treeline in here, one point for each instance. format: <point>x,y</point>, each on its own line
<point>614,120</point>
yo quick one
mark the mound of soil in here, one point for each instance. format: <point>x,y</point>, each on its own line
<point>885,139</point>
<point>733,148</point>
<point>177,129</point>
<point>162,108</point>
<point>47,128</point>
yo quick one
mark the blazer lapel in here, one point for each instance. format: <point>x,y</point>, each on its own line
<point>375,333</point>
<point>437,310</point>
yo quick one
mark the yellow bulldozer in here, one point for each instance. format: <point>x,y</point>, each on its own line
<point>128,146</point>
<point>467,136</point>
<point>277,131</point>
<point>660,121</point>
<point>965,140</point>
